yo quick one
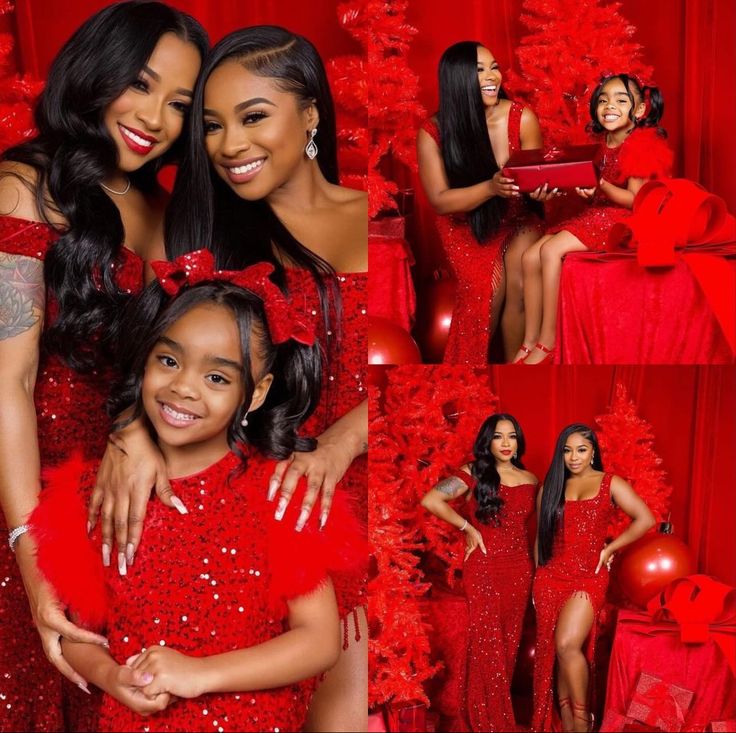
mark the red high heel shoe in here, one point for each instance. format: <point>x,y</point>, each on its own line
<point>522,359</point>
<point>548,359</point>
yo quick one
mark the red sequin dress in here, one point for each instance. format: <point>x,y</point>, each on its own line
<point>344,348</point>
<point>70,411</point>
<point>643,154</point>
<point>209,582</point>
<point>497,586</point>
<point>570,571</point>
<point>478,269</point>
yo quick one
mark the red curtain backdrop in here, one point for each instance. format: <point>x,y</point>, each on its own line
<point>691,411</point>
<point>42,28</point>
<point>688,42</point>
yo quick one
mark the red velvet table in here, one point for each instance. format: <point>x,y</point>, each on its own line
<point>640,646</point>
<point>613,311</point>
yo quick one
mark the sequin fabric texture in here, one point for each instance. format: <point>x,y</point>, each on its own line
<point>592,225</point>
<point>344,345</point>
<point>202,584</point>
<point>571,570</point>
<point>497,586</point>
<point>478,269</point>
<point>70,414</point>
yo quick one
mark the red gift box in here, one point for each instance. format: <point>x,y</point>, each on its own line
<point>658,703</point>
<point>407,717</point>
<point>567,168</point>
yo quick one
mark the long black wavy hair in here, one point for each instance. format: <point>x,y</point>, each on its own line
<point>204,210</point>
<point>484,470</point>
<point>72,153</point>
<point>296,368</point>
<point>466,147</point>
<point>552,509</point>
<point>651,95</point>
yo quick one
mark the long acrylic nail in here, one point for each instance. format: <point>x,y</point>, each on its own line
<point>106,555</point>
<point>129,553</point>
<point>179,505</point>
<point>323,520</point>
<point>89,526</point>
<point>303,516</point>
<point>83,686</point>
<point>122,567</point>
<point>273,486</point>
<point>280,509</point>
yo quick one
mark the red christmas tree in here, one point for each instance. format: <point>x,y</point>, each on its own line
<point>570,45</point>
<point>17,93</point>
<point>627,443</point>
<point>430,418</point>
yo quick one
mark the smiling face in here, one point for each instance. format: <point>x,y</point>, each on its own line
<point>148,117</point>
<point>577,453</point>
<point>614,107</point>
<point>489,77</point>
<point>192,385</point>
<point>504,442</point>
<point>255,133</point>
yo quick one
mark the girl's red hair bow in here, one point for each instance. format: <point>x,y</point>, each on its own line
<point>284,322</point>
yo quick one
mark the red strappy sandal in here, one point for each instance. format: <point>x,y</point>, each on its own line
<point>550,354</point>
<point>581,712</point>
<point>522,359</point>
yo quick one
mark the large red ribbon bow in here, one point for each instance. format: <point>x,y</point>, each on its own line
<point>284,321</point>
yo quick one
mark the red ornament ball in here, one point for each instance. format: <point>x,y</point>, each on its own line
<point>435,316</point>
<point>650,564</point>
<point>388,343</point>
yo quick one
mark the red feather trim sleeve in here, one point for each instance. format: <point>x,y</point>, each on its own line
<point>66,556</point>
<point>301,561</point>
<point>646,155</point>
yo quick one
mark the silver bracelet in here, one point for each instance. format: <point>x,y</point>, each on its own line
<point>462,529</point>
<point>14,534</point>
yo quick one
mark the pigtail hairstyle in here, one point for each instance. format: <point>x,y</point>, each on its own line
<point>484,469</point>
<point>650,95</point>
<point>465,145</point>
<point>295,390</point>
<point>73,153</point>
<point>552,508</point>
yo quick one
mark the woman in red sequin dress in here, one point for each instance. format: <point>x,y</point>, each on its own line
<point>497,575</point>
<point>632,151</point>
<point>73,231</point>
<point>263,186</point>
<point>575,507</point>
<point>227,615</point>
<point>484,223</point>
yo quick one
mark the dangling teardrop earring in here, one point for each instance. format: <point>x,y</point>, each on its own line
<point>311,149</point>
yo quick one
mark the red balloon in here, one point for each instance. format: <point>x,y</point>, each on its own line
<point>434,317</point>
<point>650,564</point>
<point>390,344</point>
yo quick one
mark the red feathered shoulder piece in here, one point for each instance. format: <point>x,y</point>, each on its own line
<point>65,555</point>
<point>301,561</point>
<point>646,154</point>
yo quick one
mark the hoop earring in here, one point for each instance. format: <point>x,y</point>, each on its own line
<point>311,149</point>
<point>244,421</point>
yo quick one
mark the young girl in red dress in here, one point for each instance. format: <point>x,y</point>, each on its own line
<point>633,150</point>
<point>226,615</point>
<point>497,575</point>
<point>574,509</point>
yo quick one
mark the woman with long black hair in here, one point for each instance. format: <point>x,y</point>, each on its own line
<point>81,211</point>
<point>574,508</point>
<point>260,183</point>
<point>484,223</point>
<point>497,578</point>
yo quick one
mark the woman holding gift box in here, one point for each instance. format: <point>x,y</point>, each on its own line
<point>574,509</point>
<point>499,501</point>
<point>484,223</point>
<point>626,113</point>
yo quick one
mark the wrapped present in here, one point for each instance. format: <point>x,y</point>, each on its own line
<point>407,717</point>
<point>558,168</point>
<point>661,704</point>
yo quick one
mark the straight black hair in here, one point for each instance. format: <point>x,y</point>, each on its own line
<point>465,145</point>
<point>484,469</point>
<point>647,94</point>
<point>72,153</point>
<point>552,508</point>
<point>296,369</point>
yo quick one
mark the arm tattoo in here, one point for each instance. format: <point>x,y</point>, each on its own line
<point>21,294</point>
<point>450,485</point>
